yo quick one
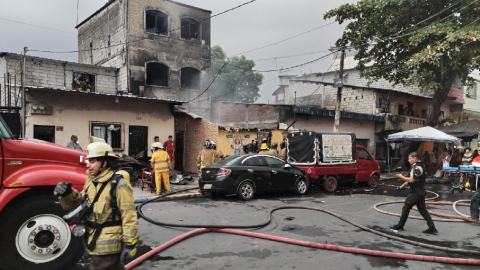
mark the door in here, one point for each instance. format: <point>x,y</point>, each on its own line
<point>44,133</point>
<point>137,140</point>
<point>257,166</point>
<point>179,150</point>
<point>364,164</point>
<point>280,177</point>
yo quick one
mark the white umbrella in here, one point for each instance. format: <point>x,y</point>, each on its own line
<point>424,134</point>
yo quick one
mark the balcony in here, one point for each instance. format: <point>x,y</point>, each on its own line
<point>400,122</point>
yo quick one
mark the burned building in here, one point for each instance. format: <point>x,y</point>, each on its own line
<point>161,48</point>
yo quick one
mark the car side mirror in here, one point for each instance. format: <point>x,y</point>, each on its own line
<point>287,166</point>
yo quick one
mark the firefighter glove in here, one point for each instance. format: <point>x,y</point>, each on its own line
<point>62,189</point>
<point>128,253</point>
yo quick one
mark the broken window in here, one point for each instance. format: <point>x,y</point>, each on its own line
<point>110,132</point>
<point>156,22</point>
<point>157,74</point>
<point>83,82</point>
<point>190,78</point>
<point>190,29</point>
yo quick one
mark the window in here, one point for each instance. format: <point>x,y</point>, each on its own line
<point>190,78</point>
<point>472,91</point>
<point>44,133</point>
<point>110,132</point>
<point>383,102</point>
<point>363,142</point>
<point>280,96</point>
<point>363,154</point>
<point>190,29</point>
<point>275,163</point>
<point>156,22</point>
<point>255,161</point>
<point>157,74</point>
<point>83,82</point>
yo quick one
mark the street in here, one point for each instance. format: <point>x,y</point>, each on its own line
<point>221,251</point>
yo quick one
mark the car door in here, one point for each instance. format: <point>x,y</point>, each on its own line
<point>281,178</point>
<point>364,165</point>
<point>257,166</point>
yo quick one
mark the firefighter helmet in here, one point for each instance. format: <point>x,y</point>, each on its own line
<point>158,145</point>
<point>264,146</point>
<point>99,149</point>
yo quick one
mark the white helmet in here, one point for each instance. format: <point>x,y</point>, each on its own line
<point>158,145</point>
<point>99,149</point>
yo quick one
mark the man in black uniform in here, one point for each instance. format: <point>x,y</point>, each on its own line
<point>416,180</point>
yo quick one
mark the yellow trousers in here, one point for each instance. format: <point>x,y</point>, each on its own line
<point>162,177</point>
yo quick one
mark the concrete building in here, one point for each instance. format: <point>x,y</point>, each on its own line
<point>65,98</point>
<point>161,48</point>
<point>472,101</point>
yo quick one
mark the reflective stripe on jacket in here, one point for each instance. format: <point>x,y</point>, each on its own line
<point>160,161</point>
<point>206,157</point>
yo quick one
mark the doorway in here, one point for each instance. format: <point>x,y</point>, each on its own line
<point>137,140</point>
<point>179,150</point>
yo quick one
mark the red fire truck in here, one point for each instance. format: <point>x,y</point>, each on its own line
<point>33,234</point>
<point>332,158</point>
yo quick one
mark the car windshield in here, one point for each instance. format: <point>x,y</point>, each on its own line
<point>228,161</point>
<point>5,132</point>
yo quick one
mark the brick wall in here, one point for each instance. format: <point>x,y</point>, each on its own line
<point>246,115</point>
<point>196,132</point>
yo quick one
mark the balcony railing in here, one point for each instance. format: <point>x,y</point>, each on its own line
<point>401,122</point>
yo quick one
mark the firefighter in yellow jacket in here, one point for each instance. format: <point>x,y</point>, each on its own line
<point>110,216</point>
<point>161,164</point>
<point>208,156</point>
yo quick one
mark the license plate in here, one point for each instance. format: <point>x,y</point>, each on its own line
<point>207,186</point>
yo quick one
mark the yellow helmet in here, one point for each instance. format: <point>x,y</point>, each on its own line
<point>99,149</point>
<point>467,185</point>
<point>158,145</point>
<point>125,175</point>
<point>264,146</point>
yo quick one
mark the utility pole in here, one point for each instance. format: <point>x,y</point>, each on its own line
<point>24,102</point>
<point>339,83</point>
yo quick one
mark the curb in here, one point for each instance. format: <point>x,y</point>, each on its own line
<point>172,198</point>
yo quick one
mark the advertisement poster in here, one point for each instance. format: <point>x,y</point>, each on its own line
<point>337,147</point>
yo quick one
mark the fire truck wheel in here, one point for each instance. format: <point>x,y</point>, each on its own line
<point>34,236</point>
<point>330,184</point>
<point>373,182</point>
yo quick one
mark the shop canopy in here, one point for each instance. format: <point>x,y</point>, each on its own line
<point>424,134</point>
<point>464,130</point>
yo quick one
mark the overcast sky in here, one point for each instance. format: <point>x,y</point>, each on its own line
<point>255,25</point>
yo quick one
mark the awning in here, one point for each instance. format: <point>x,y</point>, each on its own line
<point>424,134</point>
<point>343,114</point>
<point>465,129</point>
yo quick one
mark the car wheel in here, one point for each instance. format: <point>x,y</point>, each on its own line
<point>301,187</point>
<point>330,184</point>
<point>373,182</point>
<point>246,191</point>
<point>35,236</point>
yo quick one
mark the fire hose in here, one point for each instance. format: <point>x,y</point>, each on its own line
<point>230,230</point>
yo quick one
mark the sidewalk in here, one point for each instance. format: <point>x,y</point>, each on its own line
<point>146,194</point>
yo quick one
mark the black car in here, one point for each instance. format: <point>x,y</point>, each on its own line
<point>248,174</point>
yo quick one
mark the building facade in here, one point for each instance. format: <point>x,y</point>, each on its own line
<point>161,48</point>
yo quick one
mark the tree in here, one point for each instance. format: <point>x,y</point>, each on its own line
<point>414,42</point>
<point>237,81</point>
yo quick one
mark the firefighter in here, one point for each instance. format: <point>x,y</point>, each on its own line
<point>283,151</point>
<point>110,218</point>
<point>251,148</point>
<point>264,149</point>
<point>273,150</point>
<point>207,156</point>
<point>161,165</point>
<point>219,153</point>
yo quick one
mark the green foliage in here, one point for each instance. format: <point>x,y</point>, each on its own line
<point>395,120</point>
<point>431,54</point>
<point>237,82</point>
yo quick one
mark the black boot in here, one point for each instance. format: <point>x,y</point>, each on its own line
<point>431,231</point>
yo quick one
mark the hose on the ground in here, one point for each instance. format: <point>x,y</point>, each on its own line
<point>463,204</point>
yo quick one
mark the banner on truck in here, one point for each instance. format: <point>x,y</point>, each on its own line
<point>336,147</point>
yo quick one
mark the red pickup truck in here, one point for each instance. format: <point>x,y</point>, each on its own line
<point>33,234</point>
<point>332,158</point>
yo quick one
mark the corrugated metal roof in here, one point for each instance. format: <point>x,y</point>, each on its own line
<point>343,114</point>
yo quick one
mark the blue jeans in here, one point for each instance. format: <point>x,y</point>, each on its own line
<point>474,203</point>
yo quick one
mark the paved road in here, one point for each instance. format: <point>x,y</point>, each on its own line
<point>219,251</point>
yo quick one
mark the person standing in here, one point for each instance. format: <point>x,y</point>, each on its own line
<point>161,165</point>
<point>111,229</point>
<point>73,143</point>
<point>475,202</point>
<point>237,144</point>
<point>446,162</point>
<point>207,156</point>
<point>264,149</point>
<point>283,151</point>
<point>170,148</point>
<point>155,140</point>
<point>274,149</point>
<point>416,180</point>
<point>435,158</point>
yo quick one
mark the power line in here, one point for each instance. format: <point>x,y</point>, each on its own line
<point>283,40</point>
<point>8,20</point>
<point>125,43</point>
<point>289,56</point>
<point>218,73</point>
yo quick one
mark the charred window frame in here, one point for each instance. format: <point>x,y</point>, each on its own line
<point>156,22</point>
<point>110,132</point>
<point>83,82</point>
<point>157,74</point>
<point>190,78</point>
<point>190,29</point>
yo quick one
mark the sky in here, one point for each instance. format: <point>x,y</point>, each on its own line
<point>255,25</point>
